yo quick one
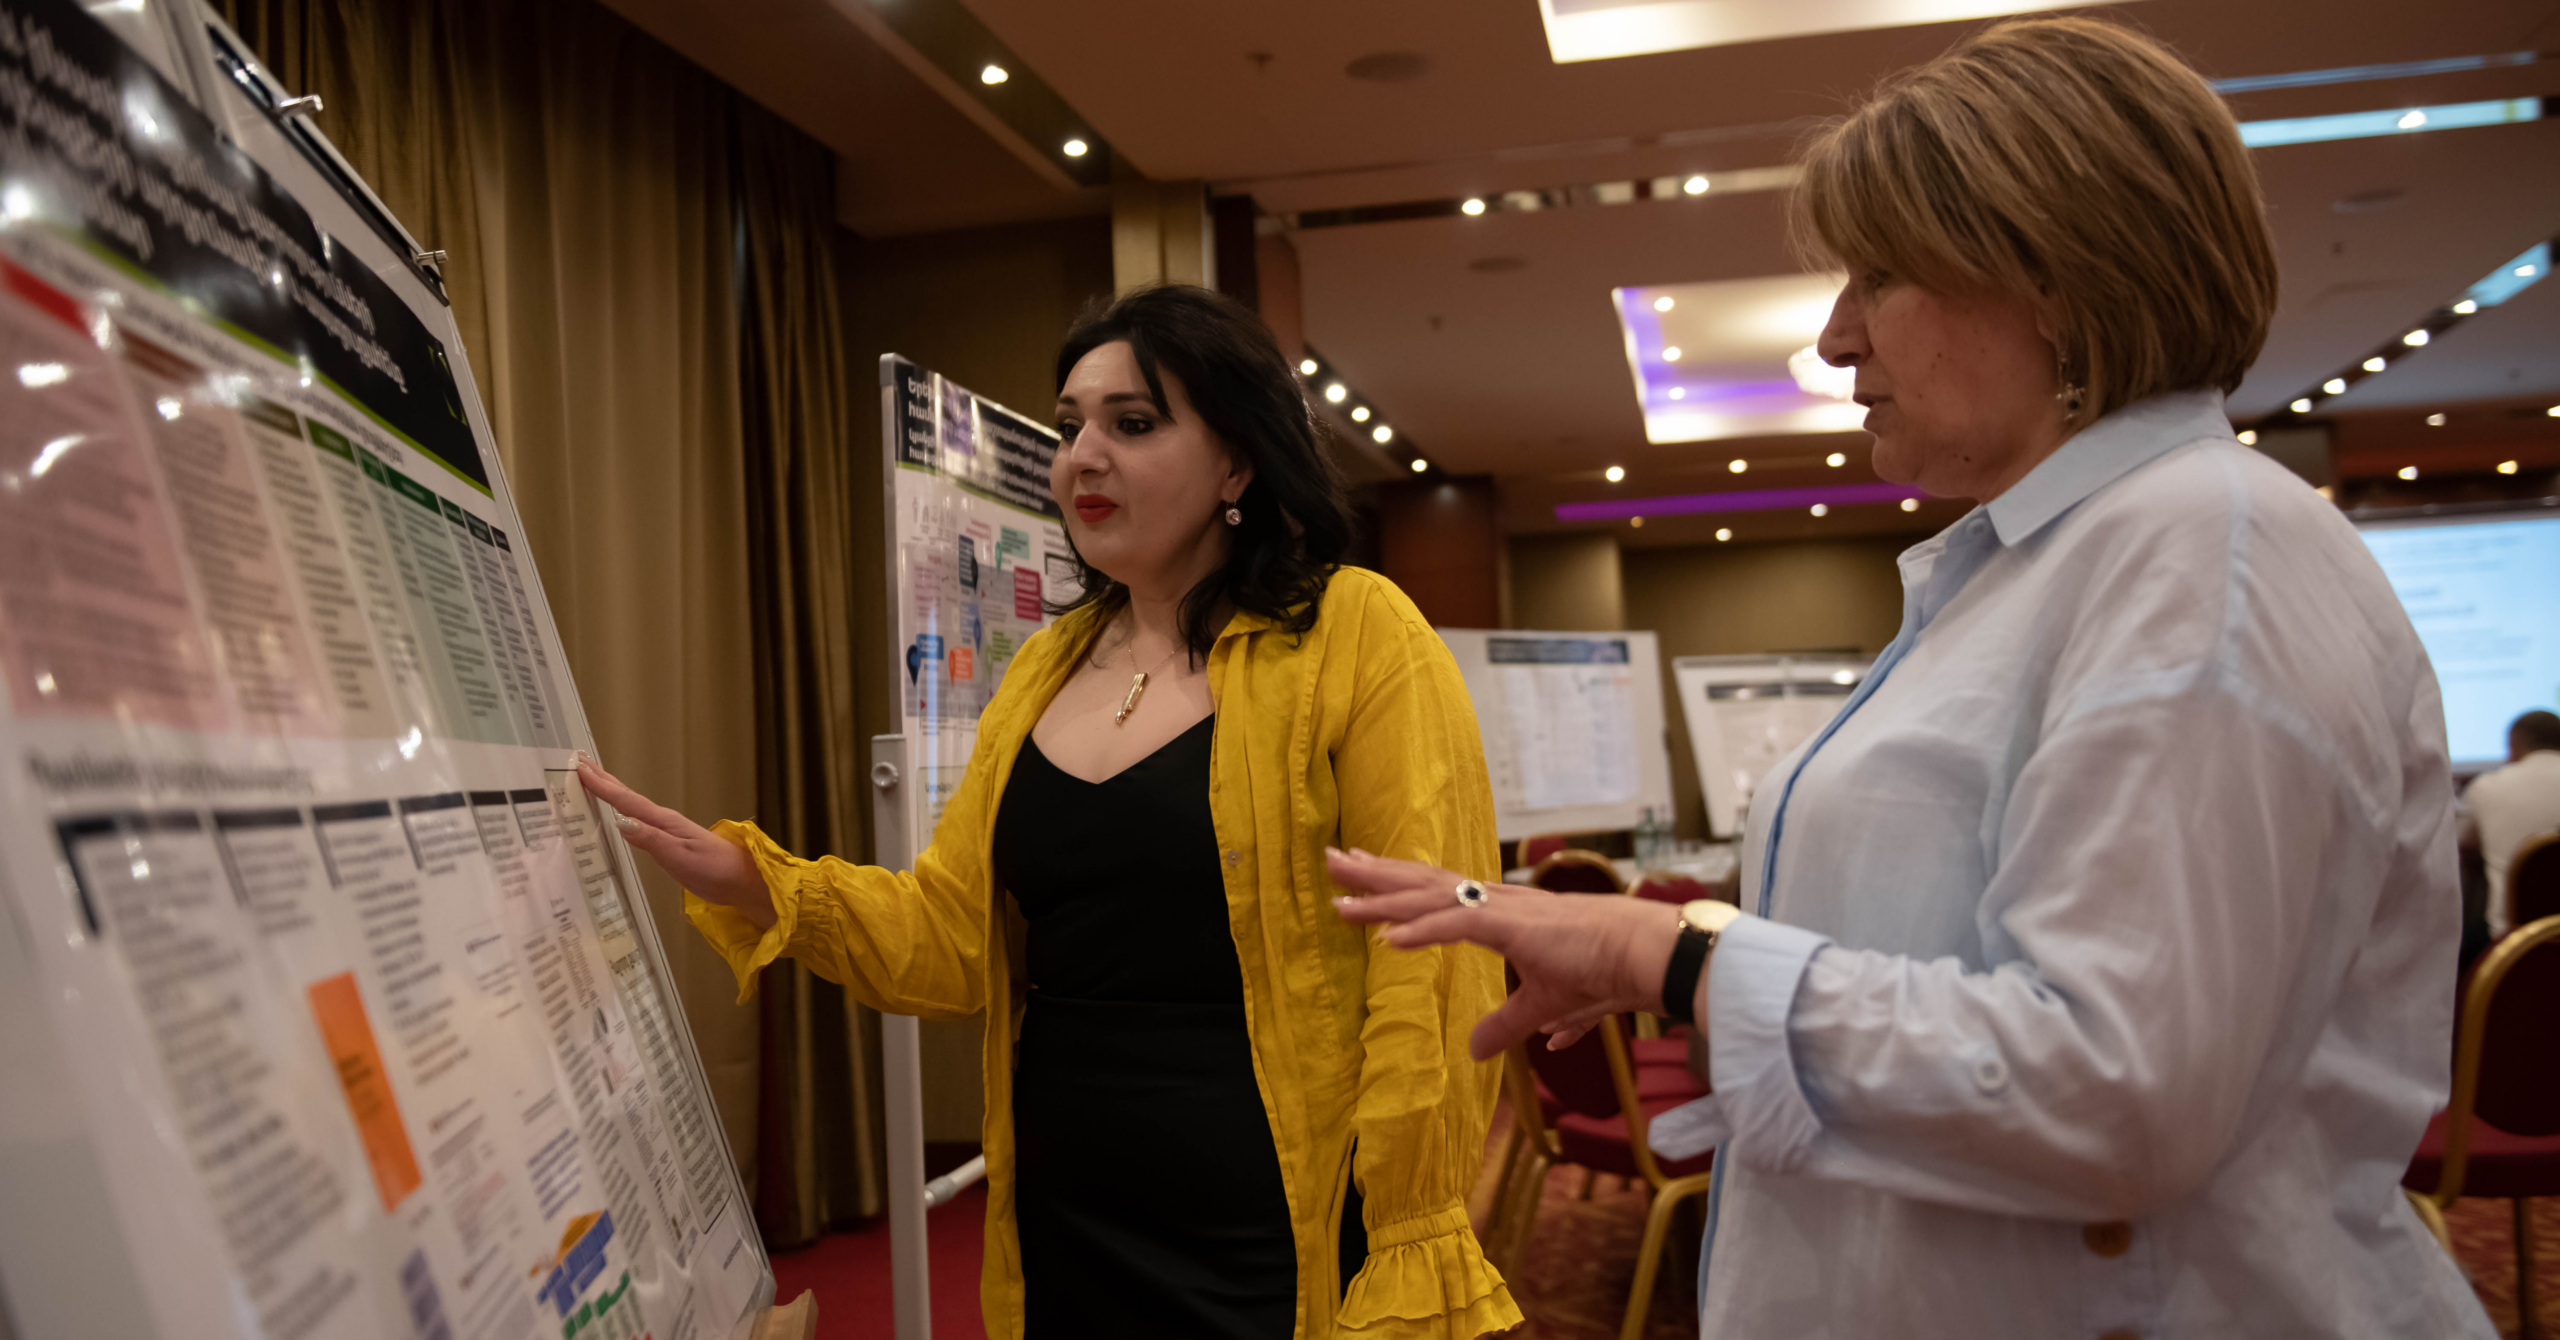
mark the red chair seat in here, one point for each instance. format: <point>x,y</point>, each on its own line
<point>1671,1051</point>
<point>1662,1081</point>
<point>1601,1142</point>
<point>2505,1166</point>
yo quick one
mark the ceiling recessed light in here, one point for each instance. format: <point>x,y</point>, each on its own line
<point>1473,206</point>
<point>1420,465</point>
<point>1723,535</point>
<point>1911,504</point>
<point>1615,473</point>
<point>2417,117</point>
<point>2506,467</point>
<point>1076,148</point>
<point>2466,307</point>
<point>2416,339</point>
<point>2554,411</point>
<point>1636,521</point>
<point>1307,366</point>
<point>2248,437</point>
<point>1820,509</point>
<point>1382,435</point>
<point>1671,353</point>
<point>2302,406</point>
<point>993,74</point>
<point>1336,392</point>
<point>1835,459</point>
<point>2375,364</point>
<point>1360,415</point>
<point>2408,472</point>
<point>2335,386</point>
<point>1662,304</point>
<point>1737,465</point>
<point>1679,392</point>
<point>1695,185</point>
<point>2435,421</point>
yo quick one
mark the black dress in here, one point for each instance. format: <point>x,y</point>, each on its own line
<point>1147,1188</point>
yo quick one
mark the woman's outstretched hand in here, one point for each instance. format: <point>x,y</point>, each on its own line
<point>1580,958</point>
<point>713,868</point>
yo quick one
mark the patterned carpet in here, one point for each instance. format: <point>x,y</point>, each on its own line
<point>1580,1262</point>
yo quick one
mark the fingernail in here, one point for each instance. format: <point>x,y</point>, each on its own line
<point>1346,900</point>
<point>625,822</point>
<point>1333,851</point>
<point>1362,854</point>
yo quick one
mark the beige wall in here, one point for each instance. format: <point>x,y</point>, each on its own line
<point>987,308</point>
<point>1567,582</point>
<point>1711,600</point>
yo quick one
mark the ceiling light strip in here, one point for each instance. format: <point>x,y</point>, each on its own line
<point>1325,386</point>
<point>1743,500</point>
<point>1675,187</point>
<point>2390,121</point>
<point>2529,268</point>
<point>2358,74</point>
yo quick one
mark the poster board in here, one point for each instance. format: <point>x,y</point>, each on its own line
<point>1745,713</point>
<point>977,554</point>
<point>328,1006</point>
<point>1573,728</point>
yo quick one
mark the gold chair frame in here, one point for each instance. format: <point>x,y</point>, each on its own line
<point>1534,1149</point>
<point>2469,1039</point>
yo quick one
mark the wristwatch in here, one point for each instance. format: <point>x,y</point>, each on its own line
<point>1702,923</point>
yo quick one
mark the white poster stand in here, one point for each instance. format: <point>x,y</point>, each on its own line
<point>1747,712</point>
<point>326,1009</point>
<point>1572,725</point>
<point>977,555</point>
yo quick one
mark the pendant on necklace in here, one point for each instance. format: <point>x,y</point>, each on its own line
<point>1137,685</point>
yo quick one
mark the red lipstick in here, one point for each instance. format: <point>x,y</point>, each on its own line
<point>1095,508</point>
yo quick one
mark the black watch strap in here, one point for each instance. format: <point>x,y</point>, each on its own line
<point>1680,980</point>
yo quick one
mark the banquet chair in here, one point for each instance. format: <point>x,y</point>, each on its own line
<point>2500,1134</point>
<point>1576,870</point>
<point>2533,880</point>
<point>1539,846</point>
<point>1602,1107</point>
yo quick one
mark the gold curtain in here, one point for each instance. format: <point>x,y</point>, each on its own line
<point>641,266</point>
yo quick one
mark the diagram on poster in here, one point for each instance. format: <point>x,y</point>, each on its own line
<point>365,1027</point>
<point>980,558</point>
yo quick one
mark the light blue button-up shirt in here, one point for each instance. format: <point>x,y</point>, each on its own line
<point>2122,893</point>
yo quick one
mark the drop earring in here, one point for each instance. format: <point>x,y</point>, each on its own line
<point>2072,393</point>
<point>1235,515</point>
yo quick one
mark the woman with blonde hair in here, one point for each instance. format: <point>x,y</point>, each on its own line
<point>2092,972</point>
<point>1214,1109</point>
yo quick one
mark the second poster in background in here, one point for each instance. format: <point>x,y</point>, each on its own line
<point>979,557</point>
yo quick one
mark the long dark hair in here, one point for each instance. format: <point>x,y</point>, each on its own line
<point>1297,513</point>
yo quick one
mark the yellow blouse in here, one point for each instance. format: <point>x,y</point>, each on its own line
<point>1358,734</point>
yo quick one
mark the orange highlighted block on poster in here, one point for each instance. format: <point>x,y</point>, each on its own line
<point>349,1036</point>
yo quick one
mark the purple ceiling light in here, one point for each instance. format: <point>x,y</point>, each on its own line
<point>1748,500</point>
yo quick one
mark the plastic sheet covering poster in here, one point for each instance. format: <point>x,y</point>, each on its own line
<point>1746,713</point>
<point>979,557</point>
<point>367,1034</point>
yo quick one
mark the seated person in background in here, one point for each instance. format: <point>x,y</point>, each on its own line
<point>2513,805</point>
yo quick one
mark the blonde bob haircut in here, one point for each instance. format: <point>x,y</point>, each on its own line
<point>2077,164</point>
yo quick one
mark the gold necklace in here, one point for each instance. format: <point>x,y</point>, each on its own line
<point>1138,682</point>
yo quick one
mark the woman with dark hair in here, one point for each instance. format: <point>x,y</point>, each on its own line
<point>1213,1108</point>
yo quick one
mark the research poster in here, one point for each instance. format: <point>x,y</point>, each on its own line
<point>1571,725</point>
<point>979,558</point>
<point>1747,713</point>
<point>367,1039</point>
